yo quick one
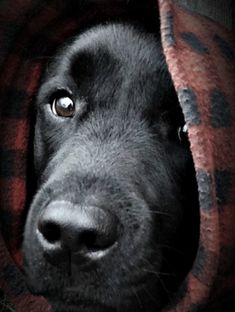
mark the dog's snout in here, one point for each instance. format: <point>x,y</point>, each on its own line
<point>86,231</point>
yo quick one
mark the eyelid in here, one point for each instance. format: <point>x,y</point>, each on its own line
<point>50,89</point>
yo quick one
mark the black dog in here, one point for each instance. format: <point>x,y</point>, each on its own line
<point>114,224</point>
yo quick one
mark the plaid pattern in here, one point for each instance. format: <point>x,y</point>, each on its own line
<point>201,58</point>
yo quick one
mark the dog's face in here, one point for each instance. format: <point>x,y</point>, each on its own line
<point>109,214</point>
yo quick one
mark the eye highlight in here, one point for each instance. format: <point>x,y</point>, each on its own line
<point>183,133</point>
<point>63,107</point>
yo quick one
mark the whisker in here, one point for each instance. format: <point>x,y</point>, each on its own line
<point>178,251</point>
<point>149,294</point>
<point>161,213</point>
<point>137,297</point>
<point>157,212</point>
<point>167,291</point>
<point>159,273</point>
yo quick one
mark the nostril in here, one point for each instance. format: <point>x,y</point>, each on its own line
<point>50,231</point>
<point>88,238</point>
<point>94,241</point>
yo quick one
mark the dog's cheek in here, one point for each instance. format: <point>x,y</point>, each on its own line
<point>41,138</point>
<point>38,272</point>
<point>39,152</point>
<point>43,145</point>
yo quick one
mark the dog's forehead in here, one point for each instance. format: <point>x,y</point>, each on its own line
<point>110,64</point>
<point>108,44</point>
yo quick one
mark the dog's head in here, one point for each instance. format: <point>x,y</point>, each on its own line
<point>116,188</point>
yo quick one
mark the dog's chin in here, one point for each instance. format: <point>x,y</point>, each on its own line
<point>138,302</point>
<point>146,296</point>
<point>144,299</point>
<point>83,306</point>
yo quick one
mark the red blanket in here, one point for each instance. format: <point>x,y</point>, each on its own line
<point>201,59</point>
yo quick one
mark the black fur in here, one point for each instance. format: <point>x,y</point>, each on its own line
<point>120,152</point>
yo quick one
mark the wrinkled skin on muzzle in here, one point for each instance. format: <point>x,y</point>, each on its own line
<point>113,225</point>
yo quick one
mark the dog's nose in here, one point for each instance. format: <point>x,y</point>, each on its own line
<point>86,231</point>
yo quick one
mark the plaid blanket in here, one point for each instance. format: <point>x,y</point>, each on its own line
<point>201,59</point>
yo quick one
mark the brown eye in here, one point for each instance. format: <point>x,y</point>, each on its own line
<point>63,107</point>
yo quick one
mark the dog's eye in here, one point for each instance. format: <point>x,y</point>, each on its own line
<point>183,133</point>
<point>63,107</point>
